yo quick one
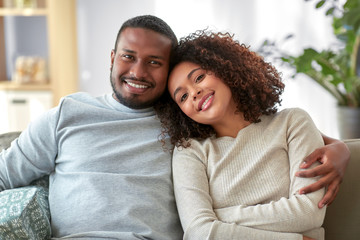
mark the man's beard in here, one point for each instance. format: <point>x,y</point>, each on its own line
<point>130,102</point>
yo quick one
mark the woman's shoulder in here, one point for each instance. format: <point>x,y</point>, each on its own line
<point>285,118</point>
<point>197,149</point>
<point>292,111</point>
<point>296,114</point>
<point>292,114</point>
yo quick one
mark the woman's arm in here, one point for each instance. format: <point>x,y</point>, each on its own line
<point>195,205</point>
<point>334,158</point>
<point>296,212</point>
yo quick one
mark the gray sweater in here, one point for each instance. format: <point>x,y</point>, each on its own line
<point>109,176</point>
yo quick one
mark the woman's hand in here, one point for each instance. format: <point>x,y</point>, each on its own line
<point>334,158</point>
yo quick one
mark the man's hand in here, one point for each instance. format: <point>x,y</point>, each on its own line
<point>307,238</point>
<point>334,157</point>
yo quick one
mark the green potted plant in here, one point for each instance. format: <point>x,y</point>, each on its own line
<point>337,71</point>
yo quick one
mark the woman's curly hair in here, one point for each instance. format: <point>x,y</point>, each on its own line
<point>255,85</point>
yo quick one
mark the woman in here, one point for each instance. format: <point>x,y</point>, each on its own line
<point>236,157</point>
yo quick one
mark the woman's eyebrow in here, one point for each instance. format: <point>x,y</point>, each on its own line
<point>192,72</point>
<point>176,91</point>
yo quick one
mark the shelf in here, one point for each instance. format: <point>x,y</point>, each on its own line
<point>23,11</point>
<point>8,85</point>
<point>62,46</point>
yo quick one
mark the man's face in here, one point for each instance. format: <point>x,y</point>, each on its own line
<point>139,67</point>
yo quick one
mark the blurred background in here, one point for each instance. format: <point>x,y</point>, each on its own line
<point>75,38</point>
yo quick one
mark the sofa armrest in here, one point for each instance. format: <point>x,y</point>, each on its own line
<point>342,220</point>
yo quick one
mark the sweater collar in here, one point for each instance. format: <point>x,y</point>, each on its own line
<point>120,107</point>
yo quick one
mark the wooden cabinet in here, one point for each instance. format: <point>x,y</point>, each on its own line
<point>17,99</point>
<point>21,107</point>
<point>62,45</point>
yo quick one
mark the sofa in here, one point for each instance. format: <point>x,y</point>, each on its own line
<point>342,220</point>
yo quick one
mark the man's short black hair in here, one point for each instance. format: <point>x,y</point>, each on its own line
<point>149,22</point>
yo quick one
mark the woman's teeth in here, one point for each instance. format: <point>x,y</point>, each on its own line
<point>206,101</point>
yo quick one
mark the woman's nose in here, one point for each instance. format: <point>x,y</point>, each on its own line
<point>196,93</point>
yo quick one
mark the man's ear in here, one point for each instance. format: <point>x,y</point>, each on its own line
<point>112,57</point>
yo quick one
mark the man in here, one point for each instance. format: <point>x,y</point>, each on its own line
<point>109,177</point>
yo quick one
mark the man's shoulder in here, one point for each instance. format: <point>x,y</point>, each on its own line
<point>82,98</point>
<point>79,96</point>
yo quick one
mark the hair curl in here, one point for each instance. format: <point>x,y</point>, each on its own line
<point>255,85</point>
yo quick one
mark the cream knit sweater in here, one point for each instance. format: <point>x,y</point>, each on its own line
<point>245,187</point>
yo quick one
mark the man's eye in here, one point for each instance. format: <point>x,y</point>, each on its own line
<point>183,97</point>
<point>199,78</point>
<point>153,62</point>
<point>127,57</point>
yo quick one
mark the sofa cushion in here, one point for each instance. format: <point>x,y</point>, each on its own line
<point>25,213</point>
<point>7,138</point>
<point>342,220</point>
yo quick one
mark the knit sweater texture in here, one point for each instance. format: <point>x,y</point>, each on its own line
<point>109,176</point>
<point>245,187</point>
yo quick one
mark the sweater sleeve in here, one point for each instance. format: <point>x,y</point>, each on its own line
<point>297,213</point>
<point>32,154</point>
<point>195,209</point>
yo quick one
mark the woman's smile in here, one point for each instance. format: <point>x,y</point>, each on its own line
<point>206,101</point>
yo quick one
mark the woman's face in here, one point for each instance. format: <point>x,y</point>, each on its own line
<point>200,94</point>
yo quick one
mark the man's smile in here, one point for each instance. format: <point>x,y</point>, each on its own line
<point>136,86</point>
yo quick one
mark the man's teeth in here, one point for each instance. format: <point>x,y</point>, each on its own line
<point>206,101</point>
<point>136,85</point>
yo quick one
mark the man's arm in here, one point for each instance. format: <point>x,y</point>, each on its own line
<point>32,155</point>
<point>334,158</point>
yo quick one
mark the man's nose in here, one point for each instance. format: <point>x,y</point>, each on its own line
<point>138,69</point>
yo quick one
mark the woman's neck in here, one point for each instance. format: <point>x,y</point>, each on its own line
<point>231,125</point>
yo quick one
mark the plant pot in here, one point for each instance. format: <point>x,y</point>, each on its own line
<point>348,122</point>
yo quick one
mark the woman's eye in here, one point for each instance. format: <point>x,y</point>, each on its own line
<point>183,97</point>
<point>199,78</point>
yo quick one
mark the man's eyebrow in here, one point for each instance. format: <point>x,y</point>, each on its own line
<point>188,77</point>
<point>128,50</point>
<point>156,57</point>
<point>151,56</point>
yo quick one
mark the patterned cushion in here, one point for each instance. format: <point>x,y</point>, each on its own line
<point>25,213</point>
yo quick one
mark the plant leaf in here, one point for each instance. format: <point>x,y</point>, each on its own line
<point>330,11</point>
<point>320,4</point>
